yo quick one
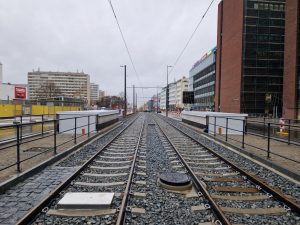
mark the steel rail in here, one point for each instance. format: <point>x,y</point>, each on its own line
<point>217,210</point>
<point>123,209</point>
<point>277,194</point>
<point>38,208</point>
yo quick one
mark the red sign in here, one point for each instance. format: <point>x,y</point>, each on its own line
<point>20,92</point>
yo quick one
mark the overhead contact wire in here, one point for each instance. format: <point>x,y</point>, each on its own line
<point>191,37</point>
<point>123,38</point>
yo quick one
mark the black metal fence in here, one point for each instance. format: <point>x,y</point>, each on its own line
<point>20,139</point>
<point>266,131</point>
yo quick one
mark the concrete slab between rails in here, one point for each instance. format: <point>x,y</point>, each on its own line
<point>240,197</point>
<point>99,184</point>
<point>81,213</point>
<point>38,168</point>
<point>235,189</point>
<point>292,176</point>
<point>104,174</point>
<point>256,211</point>
<point>138,211</point>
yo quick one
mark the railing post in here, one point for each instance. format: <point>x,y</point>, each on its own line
<point>42,125</point>
<point>21,131</point>
<point>226,129</point>
<point>55,130</point>
<point>18,148</point>
<point>88,126</point>
<point>269,131</point>
<point>246,124</point>
<point>75,130</point>
<point>289,130</point>
<point>264,127</point>
<point>243,142</point>
<point>215,126</point>
<point>97,125</point>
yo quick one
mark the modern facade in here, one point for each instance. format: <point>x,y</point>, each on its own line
<point>250,57</point>
<point>163,100</point>
<point>176,90</point>
<point>202,82</point>
<point>56,84</point>
<point>94,93</point>
<point>291,78</point>
<point>172,96</point>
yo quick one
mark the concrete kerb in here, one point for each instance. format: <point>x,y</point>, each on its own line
<point>268,163</point>
<point>36,169</point>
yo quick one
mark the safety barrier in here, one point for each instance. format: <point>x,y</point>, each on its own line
<point>43,129</point>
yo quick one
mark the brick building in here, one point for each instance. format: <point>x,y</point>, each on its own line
<point>250,57</point>
<point>291,78</point>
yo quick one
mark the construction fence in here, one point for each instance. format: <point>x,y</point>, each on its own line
<point>12,110</point>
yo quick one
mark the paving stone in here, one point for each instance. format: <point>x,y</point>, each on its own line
<point>18,200</point>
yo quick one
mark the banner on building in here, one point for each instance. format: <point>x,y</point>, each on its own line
<point>188,97</point>
<point>20,93</point>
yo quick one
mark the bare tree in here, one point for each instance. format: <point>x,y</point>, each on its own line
<point>48,89</point>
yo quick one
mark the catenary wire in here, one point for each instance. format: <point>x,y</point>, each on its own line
<point>191,37</point>
<point>123,38</point>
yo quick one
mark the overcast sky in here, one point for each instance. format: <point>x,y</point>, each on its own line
<point>66,35</point>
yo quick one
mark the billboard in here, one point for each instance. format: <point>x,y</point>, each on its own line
<point>20,92</point>
<point>188,97</point>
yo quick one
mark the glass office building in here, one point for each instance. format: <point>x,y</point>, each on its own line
<point>263,57</point>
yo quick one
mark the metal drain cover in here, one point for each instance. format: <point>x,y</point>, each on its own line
<point>175,179</point>
<point>86,200</point>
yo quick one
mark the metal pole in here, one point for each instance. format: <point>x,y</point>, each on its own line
<point>243,143</point>
<point>42,125</point>
<point>18,148</point>
<point>55,130</point>
<point>88,126</point>
<point>21,131</point>
<point>75,130</point>
<point>125,98</point>
<point>136,100</point>
<point>226,129</point>
<point>264,127</point>
<point>289,130</point>
<point>269,131</point>
<point>156,100</point>
<point>215,126</point>
<point>133,96</point>
<point>167,93</point>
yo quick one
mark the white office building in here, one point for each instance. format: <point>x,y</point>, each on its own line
<point>181,86</point>
<point>162,97</point>
<point>63,84</point>
<point>94,93</point>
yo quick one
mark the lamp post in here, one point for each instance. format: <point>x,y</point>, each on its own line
<point>125,98</point>
<point>167,91</point>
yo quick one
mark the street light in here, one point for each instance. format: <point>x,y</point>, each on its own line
<point>125,99</point>
<point>167,91</point>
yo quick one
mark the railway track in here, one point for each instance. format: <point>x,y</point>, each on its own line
<point>232,192</point>
<point>109,171</point>
<point>153,173</point>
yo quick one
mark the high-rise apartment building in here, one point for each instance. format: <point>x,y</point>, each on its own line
<point>250,56</point>
<point>57,84</point>
<point>94,93</point>
<point>202,82</point>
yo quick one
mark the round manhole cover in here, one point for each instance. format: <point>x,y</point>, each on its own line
<point>175,179</point>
